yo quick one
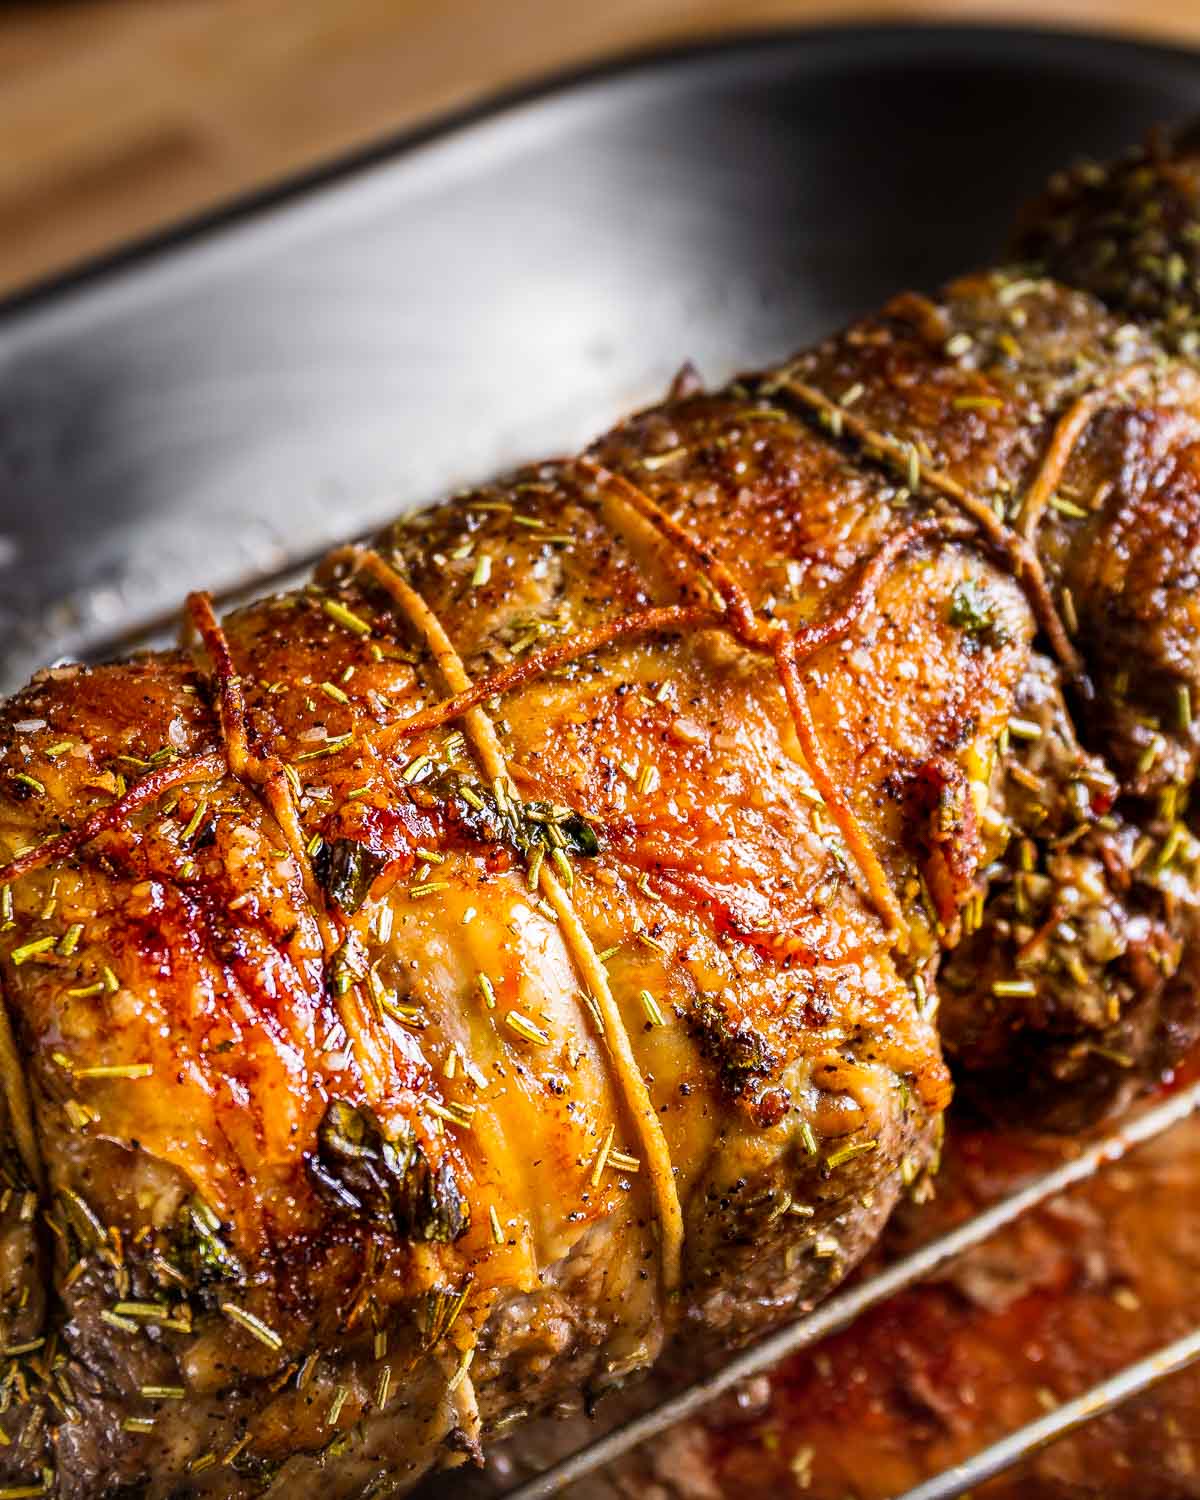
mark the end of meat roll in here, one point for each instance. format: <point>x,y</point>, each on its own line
<point>1067,998</point>
<point>1077,989</point>
<point>1126,231</point>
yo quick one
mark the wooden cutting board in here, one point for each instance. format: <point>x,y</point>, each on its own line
<point>120,116</point>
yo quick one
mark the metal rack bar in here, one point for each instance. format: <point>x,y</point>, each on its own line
<point>843,1309</point>
<point>1065,1419</point>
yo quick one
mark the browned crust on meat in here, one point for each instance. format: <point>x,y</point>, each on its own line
<point>350,1148</point>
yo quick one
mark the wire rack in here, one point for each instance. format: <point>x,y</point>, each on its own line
<point>842,1310</point>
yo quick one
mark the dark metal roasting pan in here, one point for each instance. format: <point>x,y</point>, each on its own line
<point>217,406</point>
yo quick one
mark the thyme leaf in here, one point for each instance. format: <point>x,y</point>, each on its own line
<point>388,1180</point>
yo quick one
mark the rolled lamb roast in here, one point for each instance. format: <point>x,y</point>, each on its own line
<point>428,992</point>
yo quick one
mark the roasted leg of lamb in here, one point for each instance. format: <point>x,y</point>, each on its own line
<point>428,992</point>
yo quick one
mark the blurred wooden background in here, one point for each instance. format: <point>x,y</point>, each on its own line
<point>119,116</point>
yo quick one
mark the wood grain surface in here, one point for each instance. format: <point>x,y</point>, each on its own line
<point>118,117</point>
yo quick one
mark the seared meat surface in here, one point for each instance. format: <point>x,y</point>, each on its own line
<point>429,991</point>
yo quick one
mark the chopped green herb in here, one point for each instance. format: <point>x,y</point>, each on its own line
<point>1150,754</point>
<point>150,1312</point>
<point>523,1027</point>
<point>847,1153</point>
<point>1014,988</point>
<point>345,617</point>
<point>195,821</point>
<point>22,954</point>
<point>345,869</point>
<point>331,747</point>
<point>602,1158</point>
<point>453,1113</point>
<point>971,608</point>
<point>253,1325</point>
<point>415,767</point>
<point>117,1070</point>
<point>70,940</point>
<point>335,1406</point>
<point>387,1179</point>
<point>650,1005</point>
<point>347,965</point>
<point>497,1227</point>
